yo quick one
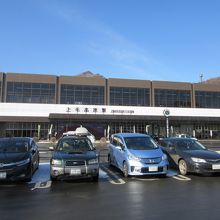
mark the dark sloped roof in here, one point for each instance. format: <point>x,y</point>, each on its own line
<point>90,74</point>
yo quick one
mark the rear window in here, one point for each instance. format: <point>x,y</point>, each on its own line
<point>13,146</point>
<point>140,143</point>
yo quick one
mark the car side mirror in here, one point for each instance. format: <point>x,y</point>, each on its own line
<point>51,148</point>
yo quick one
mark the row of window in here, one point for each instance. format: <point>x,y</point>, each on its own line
<point>0,90</point>
<point>20,92</point>
<point>85,95</point>
<point>30,92</point>
<point>129,96</point>
<point>172,98</point>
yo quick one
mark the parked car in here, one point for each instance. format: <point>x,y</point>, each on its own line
<point>185,136</point>
<point>80,131</point>
<point>136,154</point>
<point>190,156</point>
<point>74,157</point>
<point>19,158</point>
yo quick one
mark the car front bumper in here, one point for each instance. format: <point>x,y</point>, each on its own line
<point>139,169</point>
<point>74,172</point>
<point>14,173</point>
<point>203,168</point>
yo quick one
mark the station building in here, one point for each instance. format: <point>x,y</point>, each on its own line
<point>44,105</point>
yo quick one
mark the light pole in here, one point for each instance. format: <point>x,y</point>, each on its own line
<point>166,113</point>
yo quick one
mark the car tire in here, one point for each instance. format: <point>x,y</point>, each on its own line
<point>182,167</point>
<point>125,169</point>
<point>30,174</point>
<point>38,162</point>
<point>109,161</point>
<point>53,178</point>
<point>95,178</point>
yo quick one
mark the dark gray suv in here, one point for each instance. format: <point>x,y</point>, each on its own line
<point>74,157</point>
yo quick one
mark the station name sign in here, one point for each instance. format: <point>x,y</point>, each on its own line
<point>97,110</point>
<point>123,111</point>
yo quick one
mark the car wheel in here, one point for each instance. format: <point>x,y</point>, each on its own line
<point>182,167</point>
<point>125,169</point>
<point>53,178</point>
<point>38,162</point>
<point>30,174</point>
<point>95,178</point>
<point>109,161</point>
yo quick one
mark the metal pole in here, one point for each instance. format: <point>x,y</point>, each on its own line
<point>167,126</point>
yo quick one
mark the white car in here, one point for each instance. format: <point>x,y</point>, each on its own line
<point>185,136</point>
<point>80,131</point>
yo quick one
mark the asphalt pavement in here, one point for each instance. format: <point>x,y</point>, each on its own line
<point>113,197</point>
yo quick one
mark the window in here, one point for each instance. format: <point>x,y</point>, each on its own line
<point>30,92</point>
<point>129,96</point>
<point>0,91</point>
<point>172,98</point>
<point>206,99</point>
<point>85,95</point>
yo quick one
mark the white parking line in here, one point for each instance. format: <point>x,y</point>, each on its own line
<point>120,181</point>
<point>42,185</point>
<point>181,178</point>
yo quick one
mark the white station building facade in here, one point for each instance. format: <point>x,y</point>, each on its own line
<point>47,105</point>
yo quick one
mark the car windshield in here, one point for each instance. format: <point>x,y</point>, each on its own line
<point>140,143</point>
<point>74,145</point>
<point>186,145</point>
<point>13,146</point>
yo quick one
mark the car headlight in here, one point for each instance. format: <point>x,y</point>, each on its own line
<point>23,162</point>
<point>132,157</point>
<point>56,162</point>
<point>198,160</point>
<point>93,161</point>
<point>164,157</point>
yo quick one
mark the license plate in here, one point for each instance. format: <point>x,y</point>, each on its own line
<point>2,175</point>
<point>75,172</point>
<point>153,169</point>
<point>216,166</point>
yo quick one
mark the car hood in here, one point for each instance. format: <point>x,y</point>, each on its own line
<point>147,153</point>
<point>13,157</point>
<point>76,156</point>
<point>203,154</point>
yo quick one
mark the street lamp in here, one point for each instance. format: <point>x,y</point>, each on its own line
<point>166,113</point>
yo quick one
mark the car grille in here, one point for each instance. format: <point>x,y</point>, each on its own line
<point>155,160</point>
<point>213,160</point>
<point>72,163</point>
<point>146,170</point>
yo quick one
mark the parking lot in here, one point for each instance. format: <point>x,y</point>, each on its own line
<point>113,197</point>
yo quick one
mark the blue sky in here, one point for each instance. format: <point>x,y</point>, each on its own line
<point>168,40</point>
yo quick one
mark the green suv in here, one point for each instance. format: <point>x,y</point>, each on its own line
<point>74,157</point>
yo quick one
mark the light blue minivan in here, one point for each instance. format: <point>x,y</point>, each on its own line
<point>136,154</point>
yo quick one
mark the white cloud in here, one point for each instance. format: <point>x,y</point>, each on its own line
<point>106,44</point>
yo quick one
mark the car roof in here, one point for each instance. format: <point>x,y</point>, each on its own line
<point>74,137</point>
<point>175,138</point>
<point>131,135</point>
<point>16,138</point>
